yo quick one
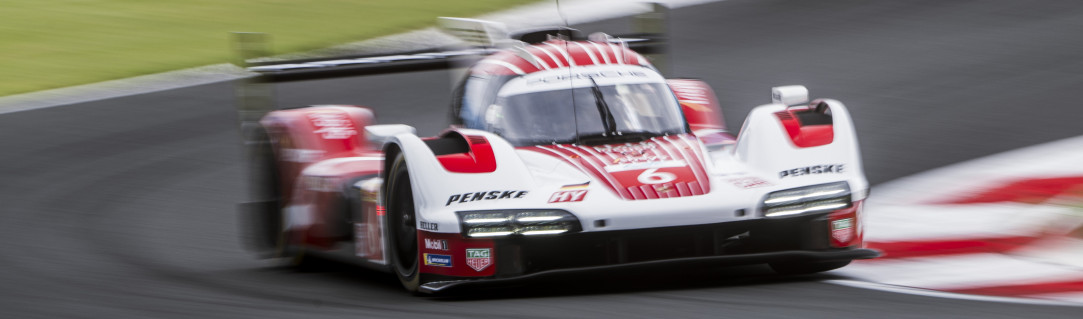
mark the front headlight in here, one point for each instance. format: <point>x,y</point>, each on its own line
<point>495,223</point>
<point>809,199</point>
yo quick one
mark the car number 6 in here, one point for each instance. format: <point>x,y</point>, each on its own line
<point>653,176</point>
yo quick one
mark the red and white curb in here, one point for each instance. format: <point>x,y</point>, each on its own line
<point>1007,226</point>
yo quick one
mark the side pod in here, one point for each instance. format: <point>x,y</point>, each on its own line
<point>435,179</point>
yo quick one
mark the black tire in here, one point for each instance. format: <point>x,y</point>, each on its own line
<point>807,267</point>
<point>402,225</point>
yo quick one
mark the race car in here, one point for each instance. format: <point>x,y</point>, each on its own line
<point>565,154</point>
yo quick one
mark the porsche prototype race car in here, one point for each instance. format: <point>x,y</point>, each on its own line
<point>564,154</point>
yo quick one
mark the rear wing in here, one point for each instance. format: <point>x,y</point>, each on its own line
<point>478,36</point>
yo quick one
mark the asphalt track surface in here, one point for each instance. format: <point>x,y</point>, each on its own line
<point>125,207</point>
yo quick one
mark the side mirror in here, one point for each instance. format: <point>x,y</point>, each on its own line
<point>789,95</point>
<point>380,134</point>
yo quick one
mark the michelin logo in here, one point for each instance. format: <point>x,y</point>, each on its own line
<point>437,260</point>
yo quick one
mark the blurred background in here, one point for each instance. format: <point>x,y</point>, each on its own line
<point>123,204</point>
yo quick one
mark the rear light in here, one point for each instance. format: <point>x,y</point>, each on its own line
<point>497,223</point>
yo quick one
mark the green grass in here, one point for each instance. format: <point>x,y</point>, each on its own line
<point>56,43</point>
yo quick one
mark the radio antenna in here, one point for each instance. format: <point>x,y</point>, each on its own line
<point>562,16</point>
<point>571,79</point>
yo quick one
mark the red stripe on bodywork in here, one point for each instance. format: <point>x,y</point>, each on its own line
<point>691,148</point>
<point>682,189</point>
<point>480,158</point>
<point>597,167</point>
<point>548,58</point>
<point>805,135</point>
<point>635,184</point>
<point>572,159</point>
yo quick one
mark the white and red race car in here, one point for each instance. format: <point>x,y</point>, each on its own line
<point>564,155</point>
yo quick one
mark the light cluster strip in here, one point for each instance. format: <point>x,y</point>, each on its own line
<point>809,199</point>
<point>517,222</point>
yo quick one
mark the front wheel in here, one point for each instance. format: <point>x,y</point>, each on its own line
<point>402,224</point>
<point>799,268</point>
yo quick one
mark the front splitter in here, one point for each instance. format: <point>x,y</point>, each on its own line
<point>706,261</point>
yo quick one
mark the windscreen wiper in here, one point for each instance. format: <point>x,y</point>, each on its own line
<point>621,137</point>
<point>603,109</point>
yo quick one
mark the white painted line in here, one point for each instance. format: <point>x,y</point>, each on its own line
<point>887,223</point>
<point>119,88</point>
<point>948,295</point>
<point>960,271</point>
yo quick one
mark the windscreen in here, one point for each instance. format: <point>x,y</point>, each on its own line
<point>637,111</point>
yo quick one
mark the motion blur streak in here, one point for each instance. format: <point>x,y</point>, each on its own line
<point>972,227</point>
<point>125,207</point>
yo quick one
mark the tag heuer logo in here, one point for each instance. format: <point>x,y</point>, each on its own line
<point>842,230</point>
<point>478,258</point>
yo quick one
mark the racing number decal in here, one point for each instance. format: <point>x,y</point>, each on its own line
<point>653,176</point>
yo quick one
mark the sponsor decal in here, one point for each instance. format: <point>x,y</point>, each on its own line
<point>300,155</point>
<point>437,244</point>
<point>627,149</point>
<point>583,75</point>
<point>570,193</point>
<point>332,125</point>
<point>568,196</point>
<point>490,195</point>
<point>369,196</point>
<point>575,186</point>
<point>748,182</point>
<point>359,240</point>
<point>478,258</point>
<point>665,160</point>
<point>843,230</point>
<point>429,226</point>
<point>437,260</point>
<point>644,165</point>
<point>691,95</point>
<point>321,183</point>
<point>635,156</point>
<point>811,170</point>
<point>653,176</point>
